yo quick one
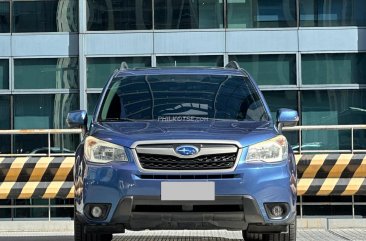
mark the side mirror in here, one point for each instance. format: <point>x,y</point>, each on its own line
<point>77,119</point>
<point>286,118</point>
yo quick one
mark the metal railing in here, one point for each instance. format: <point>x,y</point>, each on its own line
<point>49,206</point>
<point>351,203</point>
<point>47,132</point>
<point>351,128</point>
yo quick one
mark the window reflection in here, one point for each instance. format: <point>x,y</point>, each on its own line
<point>119,15</point>
<point>188,14</point>
<point>270,69</point>
<point>280,99</point>
<point>261,13</point>
<point>197,96</point>
<point>338,68</point>
<point>104,15</point>
<point>45,16</point>
<point>53,73</point>
<point>47,111</point>
<point>100,69</point>
<point>321,13</point>
<point>332,107</point>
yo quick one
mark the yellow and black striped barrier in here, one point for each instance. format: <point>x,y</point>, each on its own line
<point>51,177</point>
<point>36,177</point>
<point>331,174</point>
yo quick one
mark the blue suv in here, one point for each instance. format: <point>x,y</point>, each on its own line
<point>184,148</point>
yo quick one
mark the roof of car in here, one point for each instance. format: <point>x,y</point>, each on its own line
<point>180,70</point>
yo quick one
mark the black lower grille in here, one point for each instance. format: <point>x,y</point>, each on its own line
<point>205,162</point>
<point>190,177</point>
<point>187,208</point>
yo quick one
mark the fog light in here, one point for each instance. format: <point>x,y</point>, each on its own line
<point>277,211</point>
<point>96,212</point>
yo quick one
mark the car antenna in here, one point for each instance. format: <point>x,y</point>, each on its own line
<point>124,66</point>
<point>232,65</point>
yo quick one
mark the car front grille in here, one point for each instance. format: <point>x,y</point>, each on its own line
<point>214,161</point>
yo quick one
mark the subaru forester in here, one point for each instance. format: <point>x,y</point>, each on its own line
<point>184,148</point>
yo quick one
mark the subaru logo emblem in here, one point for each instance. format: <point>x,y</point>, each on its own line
<point>186,150</point>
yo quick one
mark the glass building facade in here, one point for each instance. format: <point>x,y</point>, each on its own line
<point>56,55</point>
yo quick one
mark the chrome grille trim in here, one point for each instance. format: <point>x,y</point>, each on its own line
<point>225,147</point>
<point>203,151</point>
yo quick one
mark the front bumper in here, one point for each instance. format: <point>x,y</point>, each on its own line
<point>248,187</point>
<point>226,212</point>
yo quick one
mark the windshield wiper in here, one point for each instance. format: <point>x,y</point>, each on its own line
<point>117,120</point>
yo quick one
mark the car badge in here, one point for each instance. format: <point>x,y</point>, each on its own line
<point>186,150</point>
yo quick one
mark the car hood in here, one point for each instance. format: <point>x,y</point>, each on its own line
<point>127,133</point>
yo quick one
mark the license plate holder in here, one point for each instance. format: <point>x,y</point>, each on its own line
<point>187,191</point>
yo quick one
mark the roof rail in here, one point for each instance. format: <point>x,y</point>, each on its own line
<point>232,65</point>
<point>124,66</point>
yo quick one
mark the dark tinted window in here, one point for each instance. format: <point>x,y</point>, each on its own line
<point>269,69</point>
<point>261,13</point>
<point>45,16</point>
<point>321,13</point>
<point>52,73</point>
<point>202,96</point>
<point>339,68</point>
<point>100,69</point>
<point>4,17</point>
<point>4,74</point>
<point>92,103</point>
<point>5,212</point>
<point>191,14</point>
<point>119,15</point>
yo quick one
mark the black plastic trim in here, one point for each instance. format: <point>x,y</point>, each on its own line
<point>232,220</point>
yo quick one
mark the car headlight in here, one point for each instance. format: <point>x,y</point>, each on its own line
<point>272,150</point>
<point>103,152</point>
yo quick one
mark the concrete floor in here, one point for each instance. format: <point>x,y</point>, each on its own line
<point>215,235</point>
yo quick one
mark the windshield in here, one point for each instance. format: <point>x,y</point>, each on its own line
<point>182,97</point>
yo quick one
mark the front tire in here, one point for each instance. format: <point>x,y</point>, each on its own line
<point>251,236</point>
<point>290,236</point>
<point>78,230</point>
<point>80,235</point>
